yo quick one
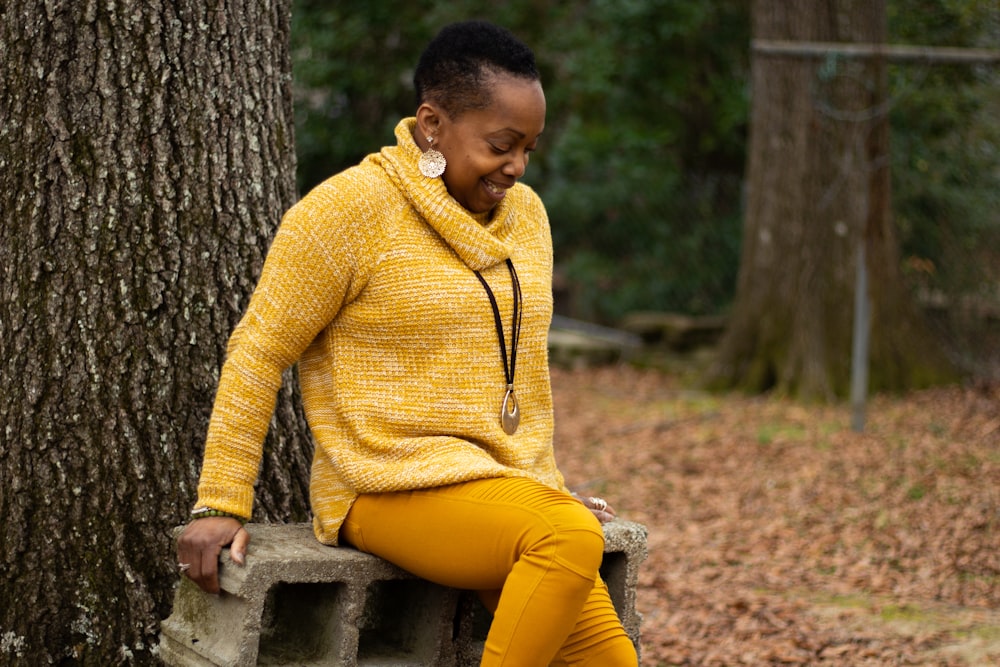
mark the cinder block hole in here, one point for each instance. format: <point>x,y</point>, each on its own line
<point>402,622</point>
<point>301,624</point>
<point>470,628</point>
<point>613,572</point>
<point>473,617</point>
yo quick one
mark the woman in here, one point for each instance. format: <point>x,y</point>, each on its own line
<point>414,290</point>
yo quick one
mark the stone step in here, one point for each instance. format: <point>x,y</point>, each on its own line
<point>575,343</point>
<point>674,330</point>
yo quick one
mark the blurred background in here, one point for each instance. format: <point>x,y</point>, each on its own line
<point>642,162</point>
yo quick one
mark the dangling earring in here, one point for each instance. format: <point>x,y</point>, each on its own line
<point>432,162</point>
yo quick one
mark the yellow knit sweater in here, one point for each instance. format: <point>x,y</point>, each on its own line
<point>369,285</point>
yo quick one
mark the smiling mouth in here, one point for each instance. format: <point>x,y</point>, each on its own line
<point>494,188</point>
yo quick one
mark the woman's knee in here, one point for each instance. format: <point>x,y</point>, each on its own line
<point>574,536</point>
<point>619,652</point>
<point>616,652</point>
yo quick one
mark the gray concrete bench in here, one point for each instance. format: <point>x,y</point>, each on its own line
<point>298,602</point>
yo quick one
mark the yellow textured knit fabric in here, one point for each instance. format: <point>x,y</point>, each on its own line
<point>369,284</point>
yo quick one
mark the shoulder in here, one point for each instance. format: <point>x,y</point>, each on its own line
<point>358,188</point>
<point>342,223</point>
<point>346,203</point>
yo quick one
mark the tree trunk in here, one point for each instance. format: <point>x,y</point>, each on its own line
<point>146,155</point>
<point>817,188</point>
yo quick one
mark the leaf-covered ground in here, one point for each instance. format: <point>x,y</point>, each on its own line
<point>780,536</point>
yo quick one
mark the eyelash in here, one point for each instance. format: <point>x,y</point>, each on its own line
<point>501,151</point>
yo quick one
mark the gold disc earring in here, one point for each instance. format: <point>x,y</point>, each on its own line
<point>432,162</point>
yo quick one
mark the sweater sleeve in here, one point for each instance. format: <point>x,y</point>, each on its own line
<point>310,271</point>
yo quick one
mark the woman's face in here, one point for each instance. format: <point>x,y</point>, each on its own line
<point>487,149</point>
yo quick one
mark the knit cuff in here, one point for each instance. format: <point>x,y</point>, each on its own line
<point>236,500</point>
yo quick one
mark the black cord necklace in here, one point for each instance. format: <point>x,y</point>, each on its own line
<point>510,413</point>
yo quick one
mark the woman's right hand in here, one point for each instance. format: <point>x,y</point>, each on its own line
<point>200,544</point>
<point>601,509</point>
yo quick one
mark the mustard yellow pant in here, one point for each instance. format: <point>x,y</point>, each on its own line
<point>531,552</point>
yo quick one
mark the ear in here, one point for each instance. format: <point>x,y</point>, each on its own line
<point>429,120</point>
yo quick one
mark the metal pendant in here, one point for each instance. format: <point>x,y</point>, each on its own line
<point>510,413</point>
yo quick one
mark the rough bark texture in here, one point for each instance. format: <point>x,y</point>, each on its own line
<point>146,155</point>
<point>817,184</point>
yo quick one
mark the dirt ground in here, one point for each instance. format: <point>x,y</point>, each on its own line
<point>780,536</point>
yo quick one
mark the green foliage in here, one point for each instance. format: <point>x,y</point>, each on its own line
<point>352,62</point>
<point>946,149</point>
<point>946,172</point>
<point>643,178</point>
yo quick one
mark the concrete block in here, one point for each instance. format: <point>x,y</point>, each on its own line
<point>298,602</point>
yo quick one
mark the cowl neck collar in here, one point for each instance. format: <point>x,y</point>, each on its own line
<point>479,246</point>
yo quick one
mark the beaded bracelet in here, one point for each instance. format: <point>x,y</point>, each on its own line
<point>205,512</point>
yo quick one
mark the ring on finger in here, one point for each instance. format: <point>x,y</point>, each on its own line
<point>600,504</point>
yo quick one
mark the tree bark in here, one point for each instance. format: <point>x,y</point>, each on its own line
<point>817,187</point>
<point>146,155</point>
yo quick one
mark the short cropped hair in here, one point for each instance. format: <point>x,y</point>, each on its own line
<point>455,69</point>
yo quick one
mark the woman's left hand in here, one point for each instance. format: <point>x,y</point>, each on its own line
<point>600,507</point>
